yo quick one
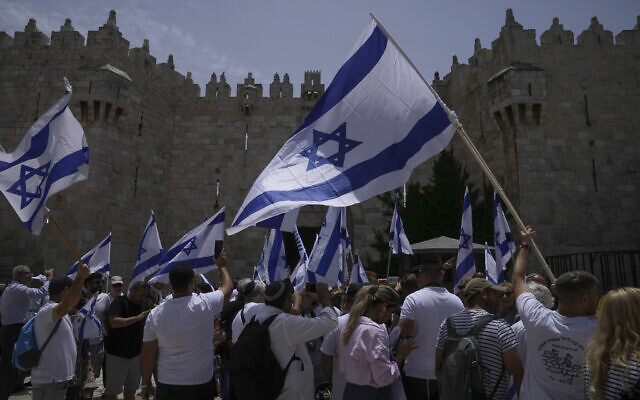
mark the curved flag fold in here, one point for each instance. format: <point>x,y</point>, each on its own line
<point>149,252</point>
<point>97,259</point>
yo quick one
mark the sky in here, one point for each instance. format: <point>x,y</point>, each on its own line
<point>292,36</point>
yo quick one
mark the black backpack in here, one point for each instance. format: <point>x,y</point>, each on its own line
<point>461,367</point>
<point>254,371</point>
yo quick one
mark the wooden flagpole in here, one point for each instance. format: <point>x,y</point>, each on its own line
<point>474,151</point>
<point>66,239</point>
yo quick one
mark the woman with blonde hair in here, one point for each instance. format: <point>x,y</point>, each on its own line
<point>365,358</point>
<point>612,367</point>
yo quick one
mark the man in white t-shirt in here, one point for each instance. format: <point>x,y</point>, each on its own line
<point>422,313</point>
<point>331,344</point>
<point>555,340</point>
<point>56,367</point>
<point>180,332</point>
<point>254,302</point>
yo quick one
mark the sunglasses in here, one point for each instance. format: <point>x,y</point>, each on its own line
<point>507,294</point>
<point>461,287</point>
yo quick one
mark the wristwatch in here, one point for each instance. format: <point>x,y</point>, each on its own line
<point>525,246</point>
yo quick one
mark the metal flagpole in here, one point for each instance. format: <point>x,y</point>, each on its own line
<point>474,151</point>
<point>73,250</point>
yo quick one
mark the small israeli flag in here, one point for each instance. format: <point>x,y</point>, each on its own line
<point>260,270</point>
<point>196,248</point>
<point>97,259</point>
<point>465,265</point>
<point>277,268</point>
<point>373,125</point>
<point>149,253</point>
<point>326,258</point>
<point>398,241</point>
<point>493,274</point>
<point>504,243</point>
<point>301,274</point>
<point>358,274</point>
<point>52,156</point>
<point>90,326</point>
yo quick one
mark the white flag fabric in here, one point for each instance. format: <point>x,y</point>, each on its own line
<point>465,265</point>
<point>301,274</point>
<point>358,274</point>
<point>52,156</point>
<point>284,222</point>
<point>196,248</point>
<point>97,259</point>
<point>493,274</point>
<point>504,243</point>
<point>326,258</point>
<point>276,261</point>
<point>376,122</point>
<point>90,326</point>
<point>398,241</point>
<point>149,253</point>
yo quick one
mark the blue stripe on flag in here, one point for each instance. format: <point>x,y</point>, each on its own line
<point>349,76</point>
<point>274,255</point>
<point>388,160</point>
<point>63,168</point>
<point>143,266</point>
<point>327,257</point>
<point>464,267</point>
<point>38,146</point>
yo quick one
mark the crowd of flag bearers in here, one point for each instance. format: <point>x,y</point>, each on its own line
<point>320,330</point>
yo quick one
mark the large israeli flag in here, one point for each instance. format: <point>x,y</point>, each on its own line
<point>504,243</point>
<point>196,248</point>
<point>52,156</point>
<point>491,271</point>
<point>97,259</point>
<point>376,122</point>
<point>276,259</point>
<point>465,265</point>
<point>149,253</point>
<point>398,241</point>
<point>326,258</point>
<point>358,274</point>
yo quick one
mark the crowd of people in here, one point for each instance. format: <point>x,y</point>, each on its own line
<point>251,340</point>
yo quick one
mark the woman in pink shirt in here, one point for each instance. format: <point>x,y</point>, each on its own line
<point>365,359</point>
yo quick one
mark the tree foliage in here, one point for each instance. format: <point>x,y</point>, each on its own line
<point>435,209</point>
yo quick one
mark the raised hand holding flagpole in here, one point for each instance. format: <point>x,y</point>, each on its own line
<point>474,151</point>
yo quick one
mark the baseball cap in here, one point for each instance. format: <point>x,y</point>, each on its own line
<point>476,285</point>
<point>117,280</point>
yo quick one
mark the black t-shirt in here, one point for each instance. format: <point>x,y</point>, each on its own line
<point>125,342</point>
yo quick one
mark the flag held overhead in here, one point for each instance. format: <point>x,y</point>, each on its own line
<point>195,248</point>
<point>97,259</point>
<point>149,253</point>
<point>376,122</point>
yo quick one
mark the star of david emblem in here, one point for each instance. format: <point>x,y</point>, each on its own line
<point>464,239</point>
<point>319,138</point>
<point>191,245</point>
<point>141,251</point>
<point>20,187</point>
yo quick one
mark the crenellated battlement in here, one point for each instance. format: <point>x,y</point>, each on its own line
<point>108,46</point>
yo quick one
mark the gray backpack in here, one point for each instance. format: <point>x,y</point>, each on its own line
<point>461,367</point>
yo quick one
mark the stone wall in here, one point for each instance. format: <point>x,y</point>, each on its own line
<point>556,121</point>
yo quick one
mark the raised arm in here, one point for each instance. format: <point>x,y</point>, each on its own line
<point>226,284</point>
<point>74,294</point>
<point>520,267</point>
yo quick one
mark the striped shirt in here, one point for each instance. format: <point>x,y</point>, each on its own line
<point>620,384</point>
<point>493,340</point>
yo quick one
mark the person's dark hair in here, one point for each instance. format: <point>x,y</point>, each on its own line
<point>277,293</point>
<point>140,285</point>
<point>204,287</point>
<point>58,284</point>
<point>570,286</point>
<point>409,283</point>
<point>90,278</point>
<point>180,276</point>
<point>351,292</point>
